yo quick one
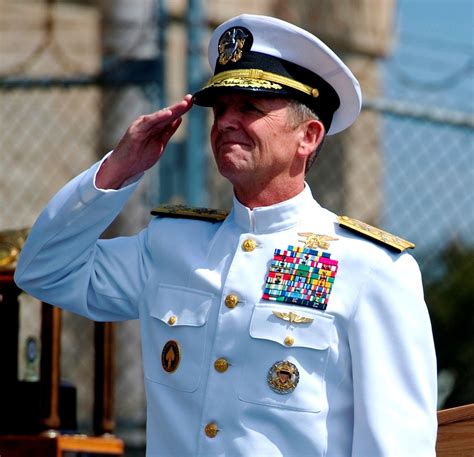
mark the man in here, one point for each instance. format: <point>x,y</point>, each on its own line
<point>274,330</point>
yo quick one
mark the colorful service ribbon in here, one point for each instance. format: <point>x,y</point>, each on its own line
<point>301,276</point>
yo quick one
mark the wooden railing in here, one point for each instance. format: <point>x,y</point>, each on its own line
<point>456,432</point>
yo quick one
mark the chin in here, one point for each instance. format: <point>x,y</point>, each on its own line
<point>229,169</point>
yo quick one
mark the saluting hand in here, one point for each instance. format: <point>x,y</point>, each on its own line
<point>142,145</point>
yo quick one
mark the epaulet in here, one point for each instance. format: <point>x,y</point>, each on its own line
<point>186,212</point>
<point>380,236</point>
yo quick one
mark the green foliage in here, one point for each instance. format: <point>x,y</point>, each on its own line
<point>450,300</point>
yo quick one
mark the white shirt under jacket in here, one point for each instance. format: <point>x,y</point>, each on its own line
<point>367,385</point>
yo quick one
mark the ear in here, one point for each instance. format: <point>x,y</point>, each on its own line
<point>312,134</point>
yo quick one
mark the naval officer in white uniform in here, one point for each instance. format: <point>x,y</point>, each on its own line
<point>279,329</point>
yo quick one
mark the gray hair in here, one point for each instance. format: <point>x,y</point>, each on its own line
<point>301,113</point>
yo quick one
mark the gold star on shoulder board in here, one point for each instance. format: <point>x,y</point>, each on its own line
<point>316,241</point>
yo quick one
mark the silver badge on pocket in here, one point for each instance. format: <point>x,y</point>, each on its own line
<point>283,377</point>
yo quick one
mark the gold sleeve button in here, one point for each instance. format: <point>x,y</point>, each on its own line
<point>211,430</point>
<point>221,365</point>
<point>231,301</point>
<point>249,245</point>
<point>172,320</point>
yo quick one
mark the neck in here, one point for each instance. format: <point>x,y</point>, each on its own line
<point>254,196</point>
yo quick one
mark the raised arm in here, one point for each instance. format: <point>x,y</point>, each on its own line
<point>63,262</point>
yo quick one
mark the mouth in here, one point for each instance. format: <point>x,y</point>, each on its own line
<point>228,144</point>
<point>231,142</point>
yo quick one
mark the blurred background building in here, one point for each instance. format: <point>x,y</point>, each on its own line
<point>74,74</point>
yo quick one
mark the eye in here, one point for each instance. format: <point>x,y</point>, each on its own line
<point>218,109</point>
<point>249,107</point>
<point>246,107</point>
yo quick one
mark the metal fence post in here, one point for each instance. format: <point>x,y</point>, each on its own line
<point>195,191</point>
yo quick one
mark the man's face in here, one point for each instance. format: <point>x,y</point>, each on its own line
<point>253,138</point>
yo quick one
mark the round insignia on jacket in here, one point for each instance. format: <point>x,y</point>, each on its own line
<point>170,356</point>
<point>231,45</point>
<point>283,377</point>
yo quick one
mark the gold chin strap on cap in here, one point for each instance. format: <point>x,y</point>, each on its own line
<point>246,78</point>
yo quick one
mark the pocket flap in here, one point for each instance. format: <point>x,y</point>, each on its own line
<point>317,333</point>
<point>188,306</point>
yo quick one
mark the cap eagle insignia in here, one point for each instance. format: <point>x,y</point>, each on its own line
<point>231,45</point>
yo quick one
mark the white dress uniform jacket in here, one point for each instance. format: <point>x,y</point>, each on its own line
<point>367,370</point>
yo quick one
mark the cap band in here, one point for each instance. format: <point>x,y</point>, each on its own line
<point>258,79</point>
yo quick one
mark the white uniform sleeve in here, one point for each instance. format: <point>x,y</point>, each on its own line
<point>63,262</point>
<point>394,364</point>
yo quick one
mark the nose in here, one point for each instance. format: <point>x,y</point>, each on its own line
<point>226,117</point>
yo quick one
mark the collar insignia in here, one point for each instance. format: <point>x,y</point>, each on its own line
<point>314,241</point>
<point>231,45</point>
<point>292,317</point>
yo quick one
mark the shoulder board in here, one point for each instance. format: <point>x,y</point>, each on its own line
<point>380,236</point>
<point>186,212</point>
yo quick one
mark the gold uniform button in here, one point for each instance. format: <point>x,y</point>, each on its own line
<point>172,320</point>
<point>231,301</point>
<point>221,365</point>
<point>289,341</point>
<point>211,430</point>
<point>249,245</point>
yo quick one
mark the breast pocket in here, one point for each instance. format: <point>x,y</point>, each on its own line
<point>174,336</point>
<point>287,338</point>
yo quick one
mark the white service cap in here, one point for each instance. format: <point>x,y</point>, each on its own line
<point>267,55</point>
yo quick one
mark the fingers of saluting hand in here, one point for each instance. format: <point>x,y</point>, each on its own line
<point>166,117</point>
<point>169,130</point>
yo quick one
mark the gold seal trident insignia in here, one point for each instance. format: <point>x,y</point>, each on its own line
<point>316,241</point>
<point>231,45</point>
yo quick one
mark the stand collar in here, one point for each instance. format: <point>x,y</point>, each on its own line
<point>280,216</point>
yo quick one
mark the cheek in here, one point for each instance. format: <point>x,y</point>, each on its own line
<point>213,137</point>
<point>271,137</point>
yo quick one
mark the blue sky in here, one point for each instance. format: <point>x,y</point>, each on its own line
<point>434,51</point>
<point>430,178</point>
